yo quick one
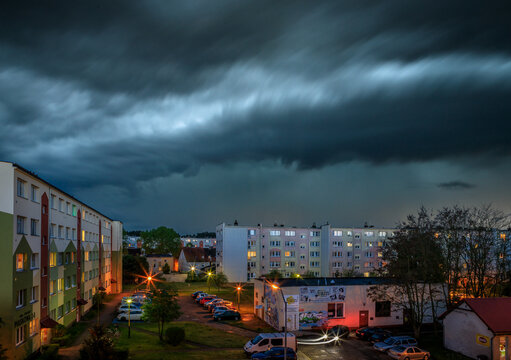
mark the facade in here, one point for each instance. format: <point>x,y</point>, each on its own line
<point>198,242</point>
<point>324,251</point>
<point>325,302</point>
<point>57,252</point>
<point>198,258</point>
<point>479,327</point>
<point>156,262</point>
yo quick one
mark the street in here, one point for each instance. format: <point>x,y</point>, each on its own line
<point>351,349</point>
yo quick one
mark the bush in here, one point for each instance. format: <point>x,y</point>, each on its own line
<point>174,335</point>
<point>49,352</point>
<point>61,340</point>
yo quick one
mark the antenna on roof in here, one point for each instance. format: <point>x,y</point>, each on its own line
<point>235,222</point>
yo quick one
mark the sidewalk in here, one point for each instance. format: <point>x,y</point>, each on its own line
<point>105,318</point>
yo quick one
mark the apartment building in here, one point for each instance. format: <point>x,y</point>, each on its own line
<point>56,254</point>
<point>324,251</point>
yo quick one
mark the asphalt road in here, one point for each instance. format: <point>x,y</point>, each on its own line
<point>350,349</point>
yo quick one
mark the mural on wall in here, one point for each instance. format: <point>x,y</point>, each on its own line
<point>313,319</point>
<point>271,313</point>
<point>322,293</point>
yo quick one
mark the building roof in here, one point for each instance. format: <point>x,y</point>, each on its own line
<point>494,312</point>
<point>195,254</point>
<point>332,281</point>
<point>158,255</point>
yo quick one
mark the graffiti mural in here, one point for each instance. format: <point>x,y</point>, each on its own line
<point>271,313</point>
<point>312,319</point>
<point>322,294</point>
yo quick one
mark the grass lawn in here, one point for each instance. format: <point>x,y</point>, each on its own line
<point>144,346</point>
<point>434,344</point>
<point>202,334</point>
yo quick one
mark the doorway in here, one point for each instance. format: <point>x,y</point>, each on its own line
<point>363,318</point>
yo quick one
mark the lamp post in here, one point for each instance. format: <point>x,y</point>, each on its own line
<point>238,289</point>
<point>193,271</point>
<point>129,316</point>
<point>209,281</point>
<point>275,287</point>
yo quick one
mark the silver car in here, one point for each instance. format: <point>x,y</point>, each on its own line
<point>408,353</point>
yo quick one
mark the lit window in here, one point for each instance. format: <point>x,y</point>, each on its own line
<point>251,254</point>
<point>337,233</point>
<point>33,327</point>
<point>19,262</point>
<point>53,259</point>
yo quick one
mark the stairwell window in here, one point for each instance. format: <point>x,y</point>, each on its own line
<point>20,186</point>
<point>20,225</point>
<point>20,262</point>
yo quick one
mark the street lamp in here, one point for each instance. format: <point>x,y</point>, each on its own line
<point>275,287</point>
<point>238,289</point>
<point>129,300</point>
<point>193,271</point>
<point>209,281</point>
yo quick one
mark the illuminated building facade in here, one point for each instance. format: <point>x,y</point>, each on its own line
<point>57,253</point>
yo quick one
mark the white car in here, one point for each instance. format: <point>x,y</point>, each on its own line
<point>133,315</point>
<point>126,307</point>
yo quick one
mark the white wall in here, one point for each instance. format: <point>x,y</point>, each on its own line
<point>8,187</point>
<point>460,330</point>
<point>234,248</point>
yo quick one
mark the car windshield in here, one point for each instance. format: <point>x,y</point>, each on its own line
<point>256,339</point>
<point>390,341</point>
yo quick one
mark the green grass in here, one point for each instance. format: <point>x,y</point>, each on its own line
<point>202,334</point>
<point>434,344</point>
<point>144,346</point>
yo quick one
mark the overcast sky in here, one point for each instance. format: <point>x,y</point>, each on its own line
<point>191,113</point>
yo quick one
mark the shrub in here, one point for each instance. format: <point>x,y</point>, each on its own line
<point>174,335</point>
<point>49,352</point>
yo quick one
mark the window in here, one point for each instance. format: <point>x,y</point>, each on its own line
<point>52,201</point>
<point>60,283</point>
<point>303,246</point>
<point>53,314</point>
<point>289,254</point>
<point>68,258</point>
<point>75,211</point>
<point>21,296</point>
<point>61,232</point>
<point>274,263</point>
<point>357,235</point>
<point>357,246</point>
<point>33,193</point>
<point>382,309</point>
<point>290,233</point>
<point>275,253</point>
<point>67,233</point>
<point>21,225</point>
<point>32,326</point>
<point>337,233</point>
<point>289,243</point>
<point>68,282</point>
<point>53,287</point>
<point>314,253</point>
<point>53,230</point>
<point>68,208</point>
<point>348,254</point>
<point>314,263</point>
<point>20,184</point>
<point>349,233</point>
<point>380,254</point>
<point>53,259</point>
<point>251,254</point>
<point>20,335</point>
<point>34,227</point>
<point>68,307</point>
<point>337,264</point>
<point>251,232</point>
<point>61,205</point>
<point>335,310</point>
<point>274,232</point>
<point>302,257</point>
<point>368,264</point>
<point>302,267</point>
<point>73,234</point>
<point>369,254</point>
<point>60,311</point>
<point>315,233</point>
<point>314,243</point>
<point>337,254</point>
<point>60,258</point>
<point>86,255</point>
<point>34,261</point>
<point>275,243</point>
<point>290,264</point>
<point>20,262</point>
<point>337,243</point>
<point>357,257</point>
<point>369,233</point>
<point>382,233</point>
<point>35,294</point>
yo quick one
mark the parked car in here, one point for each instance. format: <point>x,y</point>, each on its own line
<point>200,296</point>
<point>133,315</point>
<point>205,299</point>
<point>221,306</point>
<point>195,294</point>
<point>209,303</point>
<point>227,315</point>
<point>266,341</point>
<point>408,353</point>
<point>128,307</point>
<point>275,353</point>
<point>365,333</point>
<point>339,331</point>
<point>395,341</point>
<point>380,336</point>
<point>221,309</point>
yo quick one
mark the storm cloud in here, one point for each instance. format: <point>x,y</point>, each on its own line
<point>108,97</point>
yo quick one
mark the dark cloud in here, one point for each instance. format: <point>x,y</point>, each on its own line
<point>122,93</point>
<point>455,185</point>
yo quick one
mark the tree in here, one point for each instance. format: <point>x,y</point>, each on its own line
<point>162,240</point>
<point>100,344</point>
<point>162,308</point>
<point>220,280</point>
<point>350,273</point>
<point>274,275</point>
<point>309,274</point>
<point>166,268</point>
<point>133,266</point>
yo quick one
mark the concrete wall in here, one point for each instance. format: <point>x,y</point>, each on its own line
<point>461,327</point>
<point>234,249</point>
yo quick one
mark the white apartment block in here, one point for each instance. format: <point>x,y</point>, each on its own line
<point>324,250</point>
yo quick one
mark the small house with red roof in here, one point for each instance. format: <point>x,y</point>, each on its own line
<point>479,328</point>
<point>195,258</point>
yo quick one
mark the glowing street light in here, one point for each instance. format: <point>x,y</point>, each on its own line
<point>209,280</point>
<point>238,289</point>
<point>129,301</point>
<point>275,287</point>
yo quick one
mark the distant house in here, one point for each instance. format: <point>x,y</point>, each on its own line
<point>478,327</point>
<point>157,262</point>
<point>199,258</point>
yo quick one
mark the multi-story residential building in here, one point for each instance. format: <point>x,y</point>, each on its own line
<point>324,251</point>
<point>56,254</point>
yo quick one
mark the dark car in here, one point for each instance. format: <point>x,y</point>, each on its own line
<point>227,315</point>
<point>380,336</point>
<point>195,294</point>
<point>339,331</point>
<point>367,332</point>
<point>275,353</point>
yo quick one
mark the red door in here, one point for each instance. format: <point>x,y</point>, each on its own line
<point>363,318</point>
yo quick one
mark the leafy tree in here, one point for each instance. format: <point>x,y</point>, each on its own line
<point>162,308</point>
<point>133,266</point>
<point>220,280</point>
<point>100,344</point>
<point>162,240</point>
<point>274,275</point>
<point>309,274</point>
<point>166,268</point>
<point>350,273</point>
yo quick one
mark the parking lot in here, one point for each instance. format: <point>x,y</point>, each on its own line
<point>349,349</point>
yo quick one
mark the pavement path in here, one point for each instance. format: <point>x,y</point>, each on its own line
<point>106,316</point>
